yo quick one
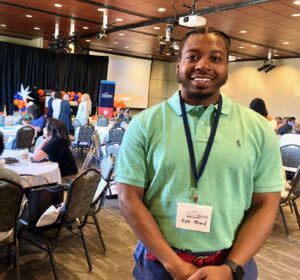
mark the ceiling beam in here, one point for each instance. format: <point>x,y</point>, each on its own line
<point>221,8</point>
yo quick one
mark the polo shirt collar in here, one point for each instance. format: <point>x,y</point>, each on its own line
<point>174,103</point>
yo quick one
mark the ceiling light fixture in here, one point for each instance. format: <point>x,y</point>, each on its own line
<point>116,43</point>
<point>121,34</point>
<point>156,28</point>
<point>36,28</point>
<point>109,49</point>
<point>241,47</point>
<point>296,2</point>
<point>119,19</point>
<point>88,40</point>
<point>232,58</point>
<point>58,5</point>
<point>100,10</point>
<point>254,46</point>
<point>126,47</point>
<point>85,27</point>
<point>243,31</point>
<point>286,43</point>
<point>28,16</point>
<point>161,10</point>
<point>295,15</point>
<point>3,25</point>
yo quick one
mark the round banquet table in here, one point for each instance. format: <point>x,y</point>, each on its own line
<point>48,170</point>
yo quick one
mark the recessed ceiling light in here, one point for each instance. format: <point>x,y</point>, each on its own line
<point>3,25</point>
<point>100,10</point>
<point>88,40</point>
<point>121,34</point>
<point>254,46</point>
<point>276,54</point>
<point>167,54</point>
<point>161,10</point>
<point>109,49</point>
<point>85,27</point>
<point>295,15</point>
<point>156,28</point>
<point>36,28</point>
<point>116,43</point>
<point>286,43</point>
<point>119,19</point>
<point>243,31</point>
<point>239,57</point>
<point>28,16</point>
<point>126,47</point>
<point>297,2</point>
<point>58,5</point>
<point>241,47</point>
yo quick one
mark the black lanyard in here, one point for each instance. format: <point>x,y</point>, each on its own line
<point>211,138</point>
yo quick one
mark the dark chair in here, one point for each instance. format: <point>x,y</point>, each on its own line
<point>290,155</point>
<point>115,136</point>
<point>288,197</point>
<point>11,195</point>
<point>99,198</point>
<point>84,138</point>
<point>79,199</point>
<point>102,122</point>
<point>24,138</point>
<point>112,150</point>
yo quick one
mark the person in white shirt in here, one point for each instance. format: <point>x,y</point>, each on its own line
<point>84,109</point>
<point>56,105</point>
<point>291,138</point>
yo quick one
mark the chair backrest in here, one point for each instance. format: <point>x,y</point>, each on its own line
<point>11,195</point>
<point>24,137</point>
<point>40,198</point>
<point>85,135</point>
<point>290,155</point>
<point>113,150</point>
<point>88,159</point>
<point>38,141</point>
<point>115,135</point>
<point>103,122</point>
<point>295,183</point>
<point>2,118</point>
<point>80,195</point>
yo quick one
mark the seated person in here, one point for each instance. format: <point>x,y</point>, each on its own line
<point>38,121</point>
<point>56,147</point>
<point>287,126</point>
<point>291,138</point>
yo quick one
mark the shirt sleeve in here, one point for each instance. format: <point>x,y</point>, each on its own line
<point>49,147</point>
<point>131,165</point>
<point>268,176</point>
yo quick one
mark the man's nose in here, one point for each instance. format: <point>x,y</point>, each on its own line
<point>203,63</point>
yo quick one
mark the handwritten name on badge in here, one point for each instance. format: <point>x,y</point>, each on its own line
<point>193,217</point>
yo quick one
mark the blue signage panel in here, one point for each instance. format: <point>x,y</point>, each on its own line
<point>106,94</point>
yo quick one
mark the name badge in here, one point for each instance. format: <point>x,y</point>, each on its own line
<point>193,217</point>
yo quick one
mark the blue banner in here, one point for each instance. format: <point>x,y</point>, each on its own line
<point>106,94</point>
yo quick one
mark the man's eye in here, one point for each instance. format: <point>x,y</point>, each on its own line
<point>192,57</point>
<point>216,59</point>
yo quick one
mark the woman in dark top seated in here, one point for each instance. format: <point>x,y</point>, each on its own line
<point>56,147</point>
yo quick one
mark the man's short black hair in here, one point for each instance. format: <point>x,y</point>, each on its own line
<point>205,30</point>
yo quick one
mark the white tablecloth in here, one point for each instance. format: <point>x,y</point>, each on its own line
<point>48,170</point>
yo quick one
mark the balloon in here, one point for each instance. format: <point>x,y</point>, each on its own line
<point>40,92</point>
<point>16,102</point>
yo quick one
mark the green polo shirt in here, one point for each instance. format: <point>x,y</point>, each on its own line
<point>245,158</point>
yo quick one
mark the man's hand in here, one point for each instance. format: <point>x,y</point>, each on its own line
<point>220,272</point>
<point>183,271</point>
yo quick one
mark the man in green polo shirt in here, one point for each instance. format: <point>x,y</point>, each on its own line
<point>199,176</point>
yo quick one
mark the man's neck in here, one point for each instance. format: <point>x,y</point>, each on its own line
<point>204,100</point>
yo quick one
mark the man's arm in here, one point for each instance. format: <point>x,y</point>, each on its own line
<point>254,231</point>
<point>147,230</point>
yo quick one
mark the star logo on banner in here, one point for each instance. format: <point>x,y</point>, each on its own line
<point>25,93</point>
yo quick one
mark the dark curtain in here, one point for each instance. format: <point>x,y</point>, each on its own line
<point>46,70</point>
